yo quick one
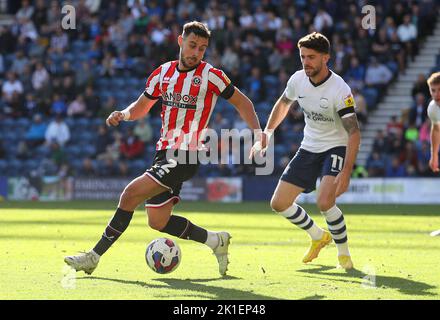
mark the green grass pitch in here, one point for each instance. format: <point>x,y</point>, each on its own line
<point>394,256</point>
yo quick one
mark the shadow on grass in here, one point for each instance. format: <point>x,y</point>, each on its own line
<point>195,287</point>
<point>256,207</point>
<point>403,285</point>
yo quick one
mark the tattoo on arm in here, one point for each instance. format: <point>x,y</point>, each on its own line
<point>350,124</point>
<point>286,100</point>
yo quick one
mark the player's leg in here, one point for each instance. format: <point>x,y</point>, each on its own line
<point>134,193</point>
<point>283,202</point>
<point>160,217</point>
<point>326,202</point>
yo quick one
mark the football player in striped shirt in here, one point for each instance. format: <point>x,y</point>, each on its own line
<point>189,88</point>
<point>328,150</point>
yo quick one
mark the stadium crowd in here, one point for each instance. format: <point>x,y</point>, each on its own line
<point>59,85</point>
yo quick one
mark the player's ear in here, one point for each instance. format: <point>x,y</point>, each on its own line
<point>180,40</point>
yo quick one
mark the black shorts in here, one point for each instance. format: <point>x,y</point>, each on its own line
<point>170,172</point>
<point>306,167</point>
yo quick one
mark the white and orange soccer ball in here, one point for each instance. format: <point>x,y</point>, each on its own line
<point>163,255</point>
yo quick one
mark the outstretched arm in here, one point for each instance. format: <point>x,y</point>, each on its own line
<point>134,111</point>
<point>279,112</point>
<point>245,108</point>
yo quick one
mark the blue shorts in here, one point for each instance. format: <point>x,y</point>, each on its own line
<point>306,167</point>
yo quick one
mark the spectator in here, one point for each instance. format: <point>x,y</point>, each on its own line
<point>377,76</point>
<point>35,134</point>
<point>355,74</point>
<point>421,86</point>
<point>376,165</point>
<point>57,131</point>
<point>10,86</point>
<point>395,128</point>
<point>395,169</point>
<point>20,62</point>
<point>380,143</point>
<point>91,101</point>
<point>132,147</point>
<point>361,106</point>
<point>77,108</point>
<point>26,11</point>
<point>87,168</point>
<point>425,131</point>
<point>58,107</point>
<point>144,131</point>
<point>103,139</point>
<point>40,77</point>
<point>418,112</point>
<point>411,133</point>
<point>407,33</point>
<point>255,86</point>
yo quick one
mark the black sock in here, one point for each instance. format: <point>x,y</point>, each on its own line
<point>115,228</point>
<point>183,228</point>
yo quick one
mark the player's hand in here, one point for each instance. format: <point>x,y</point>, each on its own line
<point>342,182</point>
<point>114,118</point>
<point>260,145</point>
<point>433,164</point>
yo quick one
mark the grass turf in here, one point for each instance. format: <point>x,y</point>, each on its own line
<point>394,256</point>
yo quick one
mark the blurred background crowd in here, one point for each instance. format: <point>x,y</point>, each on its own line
<point>58,86</point>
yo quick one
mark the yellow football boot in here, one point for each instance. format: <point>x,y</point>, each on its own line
<point>316,246</point>
<point>345,263</point>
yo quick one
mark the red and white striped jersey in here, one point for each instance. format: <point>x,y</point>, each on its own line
<point>188,100</point>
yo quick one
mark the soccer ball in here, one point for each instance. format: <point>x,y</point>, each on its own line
<point>163,255</point>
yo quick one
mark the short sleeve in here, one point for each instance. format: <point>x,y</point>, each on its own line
<point>345,103</point>
<point>432,114</point>
<point>152,87</point>
<point>220,83</point>
<point>289,92</point>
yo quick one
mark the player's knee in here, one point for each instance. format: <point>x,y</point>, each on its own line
<point>279,205</point>
<point>157,224</point>
<point>325,203</point>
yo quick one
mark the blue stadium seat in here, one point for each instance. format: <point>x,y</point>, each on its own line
<point>3,167</point>
<point>370,95</point>
<point>137,167</point>
<point>73,151</point>
<point>15,168</point>
<point>88,150</point>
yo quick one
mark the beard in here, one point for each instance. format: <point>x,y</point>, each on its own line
<point>185,62</point>
<point>312,72</point>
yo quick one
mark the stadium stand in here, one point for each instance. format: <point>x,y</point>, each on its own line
<point>81,75</point>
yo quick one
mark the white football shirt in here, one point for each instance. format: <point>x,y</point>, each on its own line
<point>434,112</point>
<point>323,105</point>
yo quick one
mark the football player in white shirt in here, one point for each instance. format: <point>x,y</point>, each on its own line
<point>328,150</point>
<point>434,116</point>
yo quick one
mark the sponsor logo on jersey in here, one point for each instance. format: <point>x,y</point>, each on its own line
<point>178,100</point>
<point>349,101</point>
<point>316,116</point>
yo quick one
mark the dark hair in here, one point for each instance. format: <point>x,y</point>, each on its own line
<point>434,79</point>
<point>315,41</point>
<point>196,27</point>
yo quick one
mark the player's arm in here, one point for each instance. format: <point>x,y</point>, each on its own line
<point>435,144</point>
<point>136,110</point>
<point>351,125</point>
<point>278,113</point>
<point>245,108</point>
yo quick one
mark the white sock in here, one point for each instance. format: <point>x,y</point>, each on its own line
<point>336,226</point>
<point>212,241</point>
<point>298,216</point>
